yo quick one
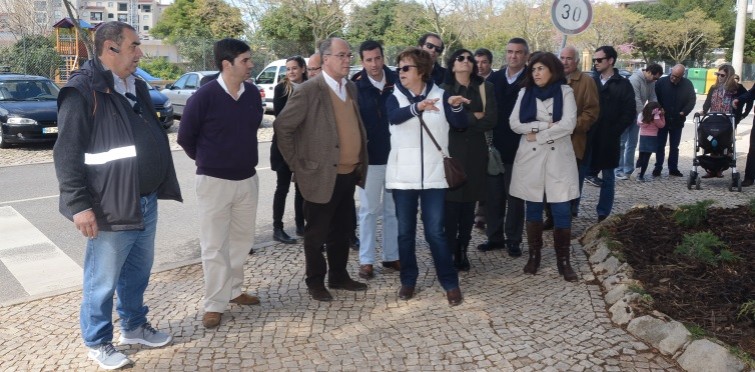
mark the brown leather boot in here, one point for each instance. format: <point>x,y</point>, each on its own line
<point>535,242</point>
<point>562,242</point>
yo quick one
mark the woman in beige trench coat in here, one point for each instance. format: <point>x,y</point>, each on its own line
<point>545,168</point>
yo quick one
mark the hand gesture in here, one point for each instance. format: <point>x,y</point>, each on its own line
<point>457,100</point>
<point>428,104</point>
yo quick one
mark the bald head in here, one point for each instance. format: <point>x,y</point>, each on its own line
<point>677,73</point>
<point>314,65</point>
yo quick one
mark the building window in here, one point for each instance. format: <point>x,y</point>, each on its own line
<point>110,16</point>
<point>95,16</point>
<point>122,17</point>
<point>147,8</point>
<point>122,7</point>
<point>145,28</point>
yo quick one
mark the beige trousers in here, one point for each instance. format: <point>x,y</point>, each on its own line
<point>227,223</point>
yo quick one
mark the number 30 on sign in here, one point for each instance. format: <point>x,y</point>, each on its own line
<point>571,16</point>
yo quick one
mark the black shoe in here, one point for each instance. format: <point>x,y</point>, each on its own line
<point>601,218</point>
<point>300,230</point>
<point>280,236</point>
<point>406,292</point>
<point>348,285</point>
<point>515,249</point>
<point>674,173</point>
<point>251,251</point>
<point>747,183</point>
<point>490,246</point>
<point>320,294</point>
<point>656,172</point>
<point>594,181</point>
<point>354,243</point>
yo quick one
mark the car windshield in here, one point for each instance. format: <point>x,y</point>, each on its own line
<point>28,90</point>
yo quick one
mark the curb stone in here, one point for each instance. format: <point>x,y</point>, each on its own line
<point>668,336</point>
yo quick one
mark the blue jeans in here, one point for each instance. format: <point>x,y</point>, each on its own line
<point>628,147</point>
<point>605,200</point>
<point>560,211</point>
<point>675,137</point>
<point>433,205</point>
<point>117,261</point>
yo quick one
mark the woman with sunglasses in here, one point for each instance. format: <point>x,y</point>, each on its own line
<point>720,98</point>
<point>469,147</point>
<point>415,172</point>
<point>296,73</point>
<point>545,167</point>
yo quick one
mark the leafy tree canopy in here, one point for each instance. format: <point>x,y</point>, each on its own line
<point>33,55</point>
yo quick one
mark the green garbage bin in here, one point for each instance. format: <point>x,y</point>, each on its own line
<point>698,76</point>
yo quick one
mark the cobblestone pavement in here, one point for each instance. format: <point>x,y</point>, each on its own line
<point>508,321</point>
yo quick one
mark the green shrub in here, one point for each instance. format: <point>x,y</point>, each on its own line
<point>691,215</point>
<point>702,247</point>
<point>747,310</point>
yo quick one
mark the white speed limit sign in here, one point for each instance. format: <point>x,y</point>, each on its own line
<point>571,16</point>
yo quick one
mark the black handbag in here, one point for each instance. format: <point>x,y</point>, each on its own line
<point>455,175</point>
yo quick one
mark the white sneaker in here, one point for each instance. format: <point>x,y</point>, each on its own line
<point>108,357</point>
<point>145,335</point>
<point>621,176</point>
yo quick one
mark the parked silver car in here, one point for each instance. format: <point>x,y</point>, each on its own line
<point>183,88</point>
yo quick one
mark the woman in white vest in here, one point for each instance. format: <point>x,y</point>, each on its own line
<point>545,167</point>
<point>415,167</point>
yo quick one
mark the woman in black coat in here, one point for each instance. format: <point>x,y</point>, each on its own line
<point>295,75</point>
<point>469,147</point>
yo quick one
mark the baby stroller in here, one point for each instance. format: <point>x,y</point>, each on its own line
<point>715,148</point>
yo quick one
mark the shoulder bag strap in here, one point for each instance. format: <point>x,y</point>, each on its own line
<point>437,146</point>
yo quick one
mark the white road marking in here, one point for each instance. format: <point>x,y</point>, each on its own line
<point>30,199</point>
<point>33,259</point>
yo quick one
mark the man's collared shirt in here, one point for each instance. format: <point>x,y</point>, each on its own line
<point>338,89</point>
<point>378,84</point>
<point>225,88</point>
<point>512,79</point>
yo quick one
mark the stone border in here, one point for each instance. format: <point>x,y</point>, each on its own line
<point>667,335</point>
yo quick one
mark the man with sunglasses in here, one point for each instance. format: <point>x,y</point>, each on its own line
<point>432,43</point>
<point>314,66</point>
<point>504,213</point>
<point>643,83</point>
<point>617,113</point>
<point>676,94</point>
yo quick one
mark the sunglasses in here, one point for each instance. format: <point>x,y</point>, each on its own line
<point>462,58</point>
<point>404,68</point>
<point>599,60</point>
<point>432,46</point>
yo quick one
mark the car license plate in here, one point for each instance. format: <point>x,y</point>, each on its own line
<point>50,130</point>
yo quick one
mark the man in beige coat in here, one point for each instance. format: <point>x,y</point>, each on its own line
<point>588,108</point>
<point>321,136</point>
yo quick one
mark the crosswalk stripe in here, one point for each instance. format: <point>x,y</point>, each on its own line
<point>33,259</point>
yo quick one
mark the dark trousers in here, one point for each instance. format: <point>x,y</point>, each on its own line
<point>750,166</point>
<point>503,212</point>
<point>642,162</point>
<point>282,186</point>
<point>674,138</point>
<point>459,219</point>
<point>332,224</point>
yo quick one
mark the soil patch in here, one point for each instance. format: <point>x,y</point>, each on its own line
<point>694,293</point>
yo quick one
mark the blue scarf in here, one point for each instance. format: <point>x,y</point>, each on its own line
<point>528,108</point>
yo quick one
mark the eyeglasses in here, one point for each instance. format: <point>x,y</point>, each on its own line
<point>432,46</point>
<point>675,77</point>
<point>341,56</point>
<point>313,68</point>
<point>656,77</point>
<point>462,58</point>
<point>720,75</point>
<point>599,60</point>
<point>405,68</point>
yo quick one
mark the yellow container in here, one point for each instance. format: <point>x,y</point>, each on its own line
<point>710,78</point>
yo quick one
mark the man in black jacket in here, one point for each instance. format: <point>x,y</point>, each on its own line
<point>617,113</point>
<point>432,43</point>
<point>113,162</point>
<point>503,212</point>
<point>677,97</point>
<point>375,84</point>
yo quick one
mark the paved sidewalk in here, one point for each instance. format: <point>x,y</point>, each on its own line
<point>509,320</point>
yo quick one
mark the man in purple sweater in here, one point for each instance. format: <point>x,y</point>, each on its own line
<point>219,131</point>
